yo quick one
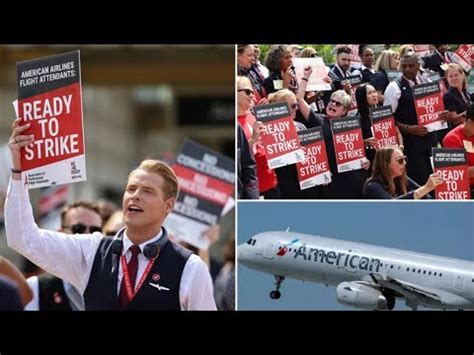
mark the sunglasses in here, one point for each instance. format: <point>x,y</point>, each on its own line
<point>336,103</point>
<point>248,92</point>
<point>80,228</point>
<point>294,106</point>
<point>401,160</point>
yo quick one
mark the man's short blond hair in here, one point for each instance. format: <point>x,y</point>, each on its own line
<point>170,187</point>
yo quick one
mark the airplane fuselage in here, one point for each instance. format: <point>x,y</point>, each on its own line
<point>332,261</point>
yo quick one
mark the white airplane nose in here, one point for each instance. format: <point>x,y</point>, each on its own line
<point>242,254</point>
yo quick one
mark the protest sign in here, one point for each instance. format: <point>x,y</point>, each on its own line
<point>348,143</point>
<point>429,104</point>
<point>314,170</point>
<point>278,135</point>
<point>206,182</point>
<point>383,126</point>
<point>49,99</point>
<point>320,71</point>
<point>451,165</point>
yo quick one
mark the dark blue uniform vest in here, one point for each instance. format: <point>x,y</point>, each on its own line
<point>406,113</point>
<point>102,294</point>
<point>51,295</point>
<point>417,148</point>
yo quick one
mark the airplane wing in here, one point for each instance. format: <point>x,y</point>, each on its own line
<point>414,294</point>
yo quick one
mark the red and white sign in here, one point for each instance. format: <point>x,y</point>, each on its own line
<point>383,127</point>
<point>320,71</point>
<point>355,81</point>
<point>348,143</point>
<point>451,165</point>
<point>421,49</point>
<point>464,56</point>
<point>278,135</point>
<point>206,182</point>
<point>49,99</point>
<point>314,170</point>
<point>429,104</point>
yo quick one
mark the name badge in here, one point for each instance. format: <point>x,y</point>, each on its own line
<point>468,146</point>
<point>278,84</point>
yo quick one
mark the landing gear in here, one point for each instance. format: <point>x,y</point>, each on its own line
<point>276,294</point>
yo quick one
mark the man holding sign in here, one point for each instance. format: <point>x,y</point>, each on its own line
<point>417,138</point>
<point>138,268</point>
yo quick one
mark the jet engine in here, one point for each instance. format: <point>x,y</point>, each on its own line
<point>360,296</point>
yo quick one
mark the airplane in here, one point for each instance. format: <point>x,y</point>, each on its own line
<point>366,276</point>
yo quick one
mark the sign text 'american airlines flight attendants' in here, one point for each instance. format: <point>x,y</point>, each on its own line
<point>451,165</point>
<point>50,100</point>
<point>429,104</point>
<point>314,170</point>
<point>348,143</point>
<point>278,135</point>
<point>206,182</point>
<point>383,127</point>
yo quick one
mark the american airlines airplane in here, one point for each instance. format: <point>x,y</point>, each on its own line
<point>366,276</point>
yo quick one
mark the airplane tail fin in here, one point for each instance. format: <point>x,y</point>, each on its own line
<point>287,229</point>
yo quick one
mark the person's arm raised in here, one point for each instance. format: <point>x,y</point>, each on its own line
<point>69,257</point>
<point>303,105</point>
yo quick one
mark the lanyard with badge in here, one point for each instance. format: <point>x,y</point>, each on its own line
<point>126,276</point>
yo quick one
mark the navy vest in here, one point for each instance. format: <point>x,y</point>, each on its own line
<point>52,296</point>
<point>101,291</point>
<point>406,113</point>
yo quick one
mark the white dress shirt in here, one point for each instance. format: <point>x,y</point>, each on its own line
<point>70,257</point>
<point>393,93</point>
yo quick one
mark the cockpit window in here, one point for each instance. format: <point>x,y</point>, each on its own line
<point>254,241</point>
<point>251,241</point>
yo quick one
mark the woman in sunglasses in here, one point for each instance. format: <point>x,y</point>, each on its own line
<point>347,185</point>
<point>267,180</point>
<point>389,178</point>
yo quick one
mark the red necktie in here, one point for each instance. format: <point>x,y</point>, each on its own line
<point>132,267</point>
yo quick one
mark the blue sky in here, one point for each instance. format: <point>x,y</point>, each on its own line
<point>438,228</point>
